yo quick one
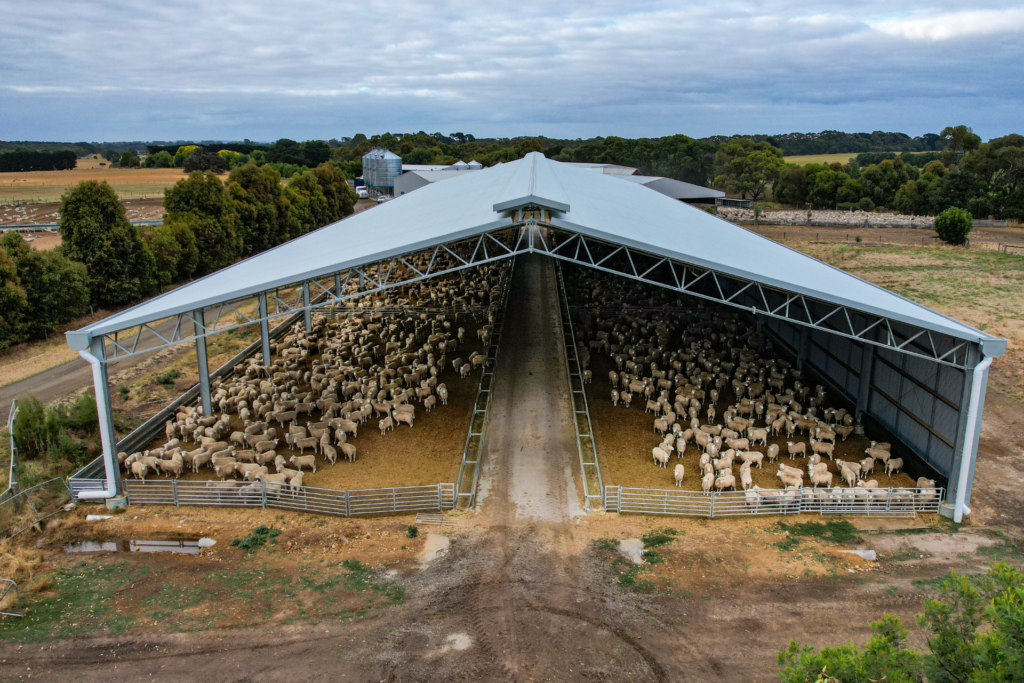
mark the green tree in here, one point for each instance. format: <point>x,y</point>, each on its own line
<point>881,181</point>
<point>12,301</point>
<point>166,252</point>
<point>198,206</point>
<point>747,167</point>
<point>286,151</point>
<point>953,225</point>
<point>264,213</point>
<point>95,231</point>
<point>130,160</point>
<point>204,160</point>
<point>183,153</point>
<point>825,188</point>
<point>419,155</point>
<point>161,159</point>
<point>976,631</point>
<point>315,152</point>
<point>907,200</point>
<point>56,288</point>
<point>953,189</point>
<point>959,140</point>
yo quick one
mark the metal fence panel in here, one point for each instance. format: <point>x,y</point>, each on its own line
<point>850,501</point>
<point>32,505</point>
<point>439,497</point>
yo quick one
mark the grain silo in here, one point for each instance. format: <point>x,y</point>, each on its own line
<point>380,168</point>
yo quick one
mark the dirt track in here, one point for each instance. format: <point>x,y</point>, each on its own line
<point>521,595</point>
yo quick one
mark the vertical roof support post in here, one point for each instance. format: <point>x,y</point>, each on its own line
<point>337,285</point>
<point>113,493</point>
<point>803,346</point>
<point>867,366</point>
<point>199,322</point>
<point>307,312</point>
<point>264,329</point>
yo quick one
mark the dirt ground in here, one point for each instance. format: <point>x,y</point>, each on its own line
<point>515,597</point>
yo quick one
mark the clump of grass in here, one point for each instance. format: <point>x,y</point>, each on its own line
<point>659,537</point>
<point>167,378</point>
<point>360,578</point>
<point>904,554</point>
<point>125,392</point>
<point>835,531</point>
<point>412,531</point>
<point>607,544</point>
<point>257,538</point>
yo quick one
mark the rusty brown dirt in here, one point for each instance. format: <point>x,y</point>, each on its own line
<point>521,595</point>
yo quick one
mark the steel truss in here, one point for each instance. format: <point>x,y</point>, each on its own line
<point>529,235</point>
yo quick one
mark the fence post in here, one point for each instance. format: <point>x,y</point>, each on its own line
<point>263,494</point>
<point>712,505</point>
<point>347,510</point>
<point>440,503</point>
<point>174,489</point>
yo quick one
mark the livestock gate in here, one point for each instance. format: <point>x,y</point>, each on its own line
<point>900,367</point>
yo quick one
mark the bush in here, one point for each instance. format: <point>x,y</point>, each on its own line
<point>865,204</point>
<point>953,225</point>
<point>980,207</point>
<point>257,538</point>
<point>167,378</point>
<point>846,206</point>
<point>55,432</point>
<point>412,531</point>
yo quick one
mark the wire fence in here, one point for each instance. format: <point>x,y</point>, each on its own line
<point>10,601</point>
<point>12,477</point>
<point>28,508</point>
<point>890,502</point>
<point>435,497</point>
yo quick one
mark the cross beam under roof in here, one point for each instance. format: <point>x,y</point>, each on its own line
<point>532,234</point>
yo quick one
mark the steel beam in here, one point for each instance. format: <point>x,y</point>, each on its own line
<point>103,405</point>
<point>307,312</point>
<point>199,322</point>
<point>264,329</point>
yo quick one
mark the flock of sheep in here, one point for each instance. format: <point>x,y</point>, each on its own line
<point>681,366</point>
<point>322,385</point>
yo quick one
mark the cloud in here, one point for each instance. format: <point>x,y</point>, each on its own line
<point>952,25</point>
<point>113,69</point>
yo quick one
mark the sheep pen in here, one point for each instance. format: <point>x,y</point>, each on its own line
<point>396,385</point>
<point>628,326</point>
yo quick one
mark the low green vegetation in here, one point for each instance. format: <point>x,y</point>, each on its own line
<point>257,538</point>
<point>833,531</point>
<point>631,575</point>
<point>975,630</point>
<point>412,531</point>
<point>58,436</point>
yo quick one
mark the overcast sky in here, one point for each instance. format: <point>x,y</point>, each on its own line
<point>233,69</point>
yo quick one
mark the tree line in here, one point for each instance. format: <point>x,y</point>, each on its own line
<point>984,179</point>
<point>105,262</point>
<point>23,159</point>
<point>837,142</point>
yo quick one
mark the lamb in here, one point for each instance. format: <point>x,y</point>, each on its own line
<point>823,448</point>
<point>253,474</point>
<point>725,481</point>
<point>175,467</point>
<point>348,450</point>
<point>140,470</point>
<point>773,452</point>
<point>225,470</point>
<point>247,469</point>
<point>879,454</point>
<point>678,474</point>
<point>330,453</point>
<point>751,457</point>
<point>386,425</point>
<point>304,461</point>
<point>660,456</point>
<point>893,465</point>
<point>403,416</point>
<point>660,426</point>
<point>442,393</point>
<point>262,446</point>
<point>790,476</point>
<point>739,444</point>
<point>821,478</point>
<point>758,435</point>
<point>796,449</point>
<point>848,475</point>
<point>428,403</point>
<point>308,442</point>
<point>706,482</point>
<point>867,465</point>
<point>746,480</point>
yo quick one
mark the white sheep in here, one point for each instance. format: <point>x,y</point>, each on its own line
<point>678,474</point>
<point>304,461</point>
<point>893,465</point>
<point>660,456</point>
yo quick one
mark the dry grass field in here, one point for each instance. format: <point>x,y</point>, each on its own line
<point>819,158</point>
<point>47,186</point>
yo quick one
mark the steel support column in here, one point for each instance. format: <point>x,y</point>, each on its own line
<point>199,321</point>
<point>803,347</point>
<point>867,365</point>
<point>103,407</point>
<point>307,312</point>
<point>264,329</point>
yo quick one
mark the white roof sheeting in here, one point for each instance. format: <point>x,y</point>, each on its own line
<point>591,203</point>
<point>677,189</point>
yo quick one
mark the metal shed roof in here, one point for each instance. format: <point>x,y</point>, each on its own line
<point>670,187</point>
<point>593,204</point>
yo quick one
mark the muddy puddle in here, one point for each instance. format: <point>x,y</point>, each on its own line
<point>182,547</point>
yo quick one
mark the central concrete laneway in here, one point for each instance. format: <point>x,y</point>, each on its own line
<point>531,461</point>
